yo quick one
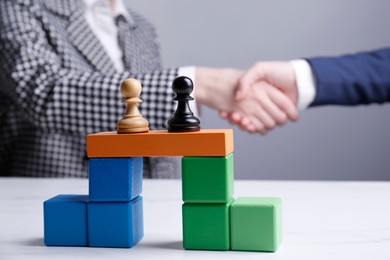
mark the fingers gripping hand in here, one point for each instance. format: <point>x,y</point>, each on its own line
<point>278,74</point>
<point>263,108</point>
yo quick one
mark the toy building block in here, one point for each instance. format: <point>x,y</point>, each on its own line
<point>207,179</point>
<point>206,226</point>
<point>161,143</point>
<point>115,224</point>
<point>115,179</point>
<point>256,224</point>
<point>65,220</point>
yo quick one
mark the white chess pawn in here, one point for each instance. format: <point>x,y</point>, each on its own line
<point>132,121</point>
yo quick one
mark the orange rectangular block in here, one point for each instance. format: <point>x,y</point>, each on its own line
<point>215,142</point>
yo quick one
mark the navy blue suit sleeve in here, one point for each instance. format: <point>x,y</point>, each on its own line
<point>361,78</point>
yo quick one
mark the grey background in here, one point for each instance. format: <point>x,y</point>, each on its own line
<point>328,143</point>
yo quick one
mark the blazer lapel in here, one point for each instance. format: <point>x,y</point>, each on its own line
<point>81,35</point>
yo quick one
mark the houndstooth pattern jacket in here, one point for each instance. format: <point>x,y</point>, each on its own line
<point>57,84</point>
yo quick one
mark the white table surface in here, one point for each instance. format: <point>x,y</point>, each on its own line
<point>322,220</point>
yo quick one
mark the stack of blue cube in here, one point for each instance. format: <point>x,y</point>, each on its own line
<point>112,214</point>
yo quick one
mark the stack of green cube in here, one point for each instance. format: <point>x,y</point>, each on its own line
<point>213,220</point>
<point>207,195</point>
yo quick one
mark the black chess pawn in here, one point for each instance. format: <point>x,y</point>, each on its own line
<point>183,120</point>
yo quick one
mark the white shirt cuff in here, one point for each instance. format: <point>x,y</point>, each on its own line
<point>189,71</point>
<point>305,82</point>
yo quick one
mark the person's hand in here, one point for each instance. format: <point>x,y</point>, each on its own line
<point>215,87</point>
<point>266,96</point>
<point>263,108</point>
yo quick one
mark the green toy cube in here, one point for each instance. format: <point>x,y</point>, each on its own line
<point>208,179</point>
<point>256,224</point>
<point>206,226</point>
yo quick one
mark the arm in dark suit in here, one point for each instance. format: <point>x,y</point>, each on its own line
<point>362,78</point>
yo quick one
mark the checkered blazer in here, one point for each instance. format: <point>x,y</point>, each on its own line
<point>57,84</point>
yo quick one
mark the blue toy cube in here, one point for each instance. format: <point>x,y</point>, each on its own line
<point>65,220</point>
<point>115,224</point>
<point>115,179</point>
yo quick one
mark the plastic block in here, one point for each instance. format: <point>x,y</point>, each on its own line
<point>218,142</point>
<point>65,220</point>
<point>207,179</point>
<point>115,179</point>
<point>206,226</point>
<point>256,224</point>
<point>115,224</point>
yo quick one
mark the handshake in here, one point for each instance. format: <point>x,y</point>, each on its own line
<point>257,100</point>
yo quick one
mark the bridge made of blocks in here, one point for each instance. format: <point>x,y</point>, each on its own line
<point>112,214</point>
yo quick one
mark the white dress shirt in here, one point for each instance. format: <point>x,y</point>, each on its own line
<point>305,82</point>
<point>100,17</point>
